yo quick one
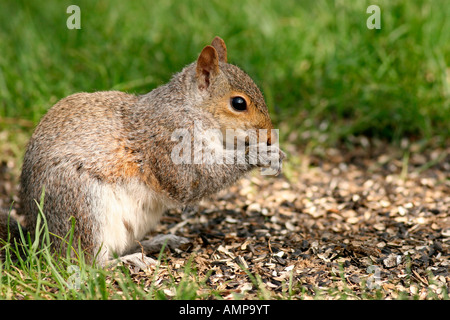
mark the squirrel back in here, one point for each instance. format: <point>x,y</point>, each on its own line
<point>107,158</point>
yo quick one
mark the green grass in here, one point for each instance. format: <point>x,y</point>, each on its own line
<point>325,77</point>
<point>324,74</point>
<point>33,271</point>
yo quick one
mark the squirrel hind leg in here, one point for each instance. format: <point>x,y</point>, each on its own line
<point>138,256</point>
<point>137,259</point>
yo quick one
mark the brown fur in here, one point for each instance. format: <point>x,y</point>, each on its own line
<point>221,49</point>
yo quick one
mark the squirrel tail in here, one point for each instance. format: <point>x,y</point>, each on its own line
<point>9,233</point>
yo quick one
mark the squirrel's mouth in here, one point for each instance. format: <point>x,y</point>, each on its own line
<point>246,141</point>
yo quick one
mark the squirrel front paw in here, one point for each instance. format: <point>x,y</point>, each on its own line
<point>268,157</point>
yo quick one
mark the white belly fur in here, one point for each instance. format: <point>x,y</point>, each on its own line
<point>129,212</point>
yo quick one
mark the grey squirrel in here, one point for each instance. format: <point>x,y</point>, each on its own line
<point>106,158</point>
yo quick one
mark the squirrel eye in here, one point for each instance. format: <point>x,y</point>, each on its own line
<point>238,104</point>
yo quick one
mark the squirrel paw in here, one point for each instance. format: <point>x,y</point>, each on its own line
<point>269,158</point>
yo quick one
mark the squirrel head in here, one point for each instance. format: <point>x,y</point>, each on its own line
<point>229,94</point>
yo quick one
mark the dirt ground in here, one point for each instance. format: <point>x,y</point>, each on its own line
<point>367,221</point>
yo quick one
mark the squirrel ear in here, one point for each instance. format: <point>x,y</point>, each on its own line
<point>207,66</point>
<point>221,48</point>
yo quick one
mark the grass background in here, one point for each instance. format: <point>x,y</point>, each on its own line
<point>325,75</point>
